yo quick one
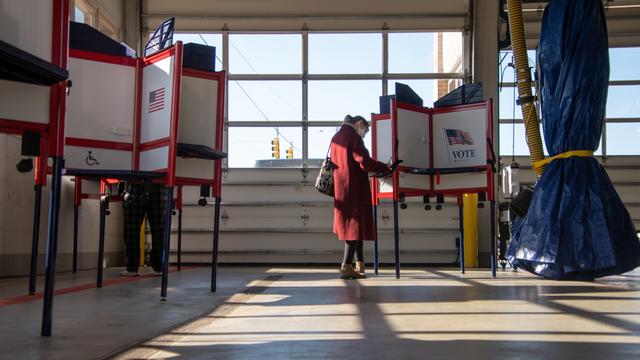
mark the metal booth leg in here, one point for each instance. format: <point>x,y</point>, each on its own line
<point>179,239</point>
<point>461,245</point>
<point>35,239</point>
<point>396,237</point>
<point>52,246</point>
<point>166,242</point>
<point>214,255</point>
<point>76,210</point>
<point>493,238</point>
<point>104,211</point>
<point>375,241</point>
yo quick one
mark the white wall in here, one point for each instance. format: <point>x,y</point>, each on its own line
<point>288,220</point>
<point>113,9</point>
<point>263,223</point>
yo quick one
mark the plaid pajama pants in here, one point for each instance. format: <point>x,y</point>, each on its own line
<point>154,206</point>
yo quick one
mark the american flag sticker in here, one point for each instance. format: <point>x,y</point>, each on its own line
<point>156,100</point>
<point>458,137</point>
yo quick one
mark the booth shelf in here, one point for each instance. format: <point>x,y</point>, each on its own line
<point>19,65</point>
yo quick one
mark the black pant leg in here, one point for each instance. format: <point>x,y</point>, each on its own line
<point>156,212</point>
<point>133,214</point>
<point>360,250</point>
<point>349,251</point>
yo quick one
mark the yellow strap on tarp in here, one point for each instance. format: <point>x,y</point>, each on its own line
<point>564,155</point>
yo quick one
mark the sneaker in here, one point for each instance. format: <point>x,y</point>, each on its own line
<point>157,273</point>
<point>128,273</point>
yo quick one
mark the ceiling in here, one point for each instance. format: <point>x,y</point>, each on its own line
<point>623,16</point>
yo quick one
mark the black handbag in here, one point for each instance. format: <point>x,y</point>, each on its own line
<point>324,182</point>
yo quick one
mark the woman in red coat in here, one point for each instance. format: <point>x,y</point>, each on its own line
<point>352,210</point>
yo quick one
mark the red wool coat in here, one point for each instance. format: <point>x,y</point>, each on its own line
<point>352,211</point>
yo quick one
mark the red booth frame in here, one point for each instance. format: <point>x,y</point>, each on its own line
<point>54,141</point>
<point>398,194</point>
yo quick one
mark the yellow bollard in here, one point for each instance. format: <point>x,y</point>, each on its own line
<point>142,242</point>
<point>470,231</point>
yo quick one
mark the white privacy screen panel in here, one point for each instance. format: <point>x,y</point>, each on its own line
<point>157,91</point>
<point>413,138</point>
<point>460,138</point>
<point>101,103</point>
<point>24,102</point>
<point>100,112</point>
<point>27,25</point>
<point>156,108</point>
<point>198,110</point>
<point>383,140</point>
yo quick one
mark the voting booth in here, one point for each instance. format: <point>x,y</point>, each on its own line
<point>445,151</point>
<point>146,120</point>
<point>150,120</point>
<point>33,77</point>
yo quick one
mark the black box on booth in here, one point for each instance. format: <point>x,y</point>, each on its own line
<point>199,57</point>
<point>84,37</point>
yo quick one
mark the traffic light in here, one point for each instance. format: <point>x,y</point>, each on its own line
<point>275,148</point>
<point>290,153</point>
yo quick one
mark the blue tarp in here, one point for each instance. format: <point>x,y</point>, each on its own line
<point>576,226</point>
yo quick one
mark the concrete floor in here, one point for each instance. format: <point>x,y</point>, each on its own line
<point>307,313</point>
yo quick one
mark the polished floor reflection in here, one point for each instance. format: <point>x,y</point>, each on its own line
<point>305,313</point>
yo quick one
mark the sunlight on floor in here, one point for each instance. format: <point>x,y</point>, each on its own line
<point>303,306</point>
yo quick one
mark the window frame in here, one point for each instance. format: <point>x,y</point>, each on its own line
<point>383,76</point>
<point>96,17</point>
<point>608,120</point>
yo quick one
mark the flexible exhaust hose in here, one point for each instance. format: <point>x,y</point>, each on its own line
<point>525,98</point>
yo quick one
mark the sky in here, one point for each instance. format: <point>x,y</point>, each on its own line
<point>331,100</point>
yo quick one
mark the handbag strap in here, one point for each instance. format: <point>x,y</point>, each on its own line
<point>329,149</point>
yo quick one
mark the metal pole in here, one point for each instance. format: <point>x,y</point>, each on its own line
<point>375,242</point>
<point>179,239</point>
<point>166,241</point>
<point>396,237</point>
<point>104,206</point>
<point>493,238</point>
<point>461,245</point>
<point>76,211</point>
<point>214,255</point>
<point>35,239</point>
<point>52,246</point>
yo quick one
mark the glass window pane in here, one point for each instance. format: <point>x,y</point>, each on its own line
<point>265,54</point>
<point>319,139</point>
<point>426,89</point>
<point>79,15</point>
<point>623,62</point>
<point>515,133</point>
<point>508,96</point>
<point>265,100</point>
<point>623,139</point>
<point>345,53</point>
<point>332,100</point>
<point>507,62</point>
<point>511,134</point>
<point>623,101</point>
<point>425,52</point>
<point>250,147</point>
<point>204,39</point>
<point>411,52</point>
